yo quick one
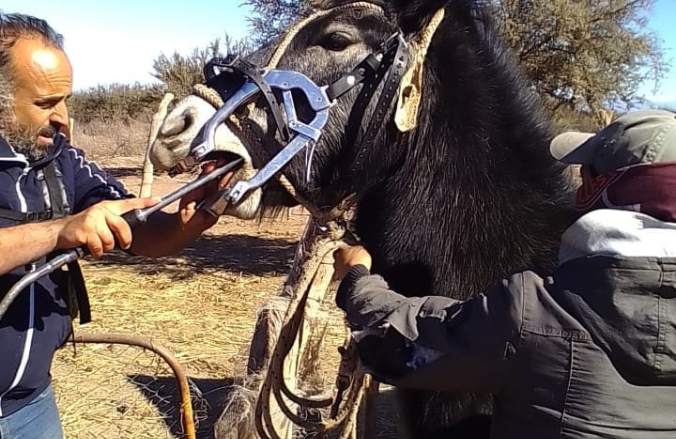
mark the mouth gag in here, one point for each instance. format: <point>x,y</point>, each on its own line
<point>239,81</point>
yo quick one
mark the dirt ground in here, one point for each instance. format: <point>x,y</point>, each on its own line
<point>201,304</point>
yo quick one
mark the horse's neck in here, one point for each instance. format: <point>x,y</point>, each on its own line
<point>454,231</point>
<point>478,196</point>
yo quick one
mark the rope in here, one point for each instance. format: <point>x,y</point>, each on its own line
<point>350,376</point>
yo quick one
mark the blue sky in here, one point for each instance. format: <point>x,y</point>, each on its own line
<point>116,41</point>
<point>662,21</point>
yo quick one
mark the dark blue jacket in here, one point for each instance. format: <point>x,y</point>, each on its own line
<point>38,322</point>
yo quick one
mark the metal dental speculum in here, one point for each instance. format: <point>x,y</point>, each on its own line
<point>239,81</point>
<point>302,134</point>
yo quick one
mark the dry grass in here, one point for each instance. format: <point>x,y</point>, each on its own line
<point>204,319</point>
<point>112,391</point>
<point>201,304</point>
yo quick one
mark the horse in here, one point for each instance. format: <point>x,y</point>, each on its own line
<point>454,189</point>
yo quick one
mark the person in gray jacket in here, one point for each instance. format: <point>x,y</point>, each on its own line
<point>587,352</point>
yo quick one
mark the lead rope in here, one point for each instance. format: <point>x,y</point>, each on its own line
<point>351,376</point>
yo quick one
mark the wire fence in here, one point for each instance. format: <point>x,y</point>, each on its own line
<point>112,386</point>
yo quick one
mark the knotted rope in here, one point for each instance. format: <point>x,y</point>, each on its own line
<point>351,378</point>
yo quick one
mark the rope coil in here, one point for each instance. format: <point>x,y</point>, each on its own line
<point>318,246</point>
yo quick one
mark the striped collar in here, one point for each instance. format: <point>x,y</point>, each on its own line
<point>9,155</point>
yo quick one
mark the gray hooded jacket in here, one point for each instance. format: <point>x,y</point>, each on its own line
<point>588,352</point>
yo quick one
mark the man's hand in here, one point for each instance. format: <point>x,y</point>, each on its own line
<point>345,258</point>
<point>99,226</point>
<point>189,215</point>
<point>165,234</point>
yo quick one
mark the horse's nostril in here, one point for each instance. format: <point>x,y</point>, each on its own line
<point>178,125</point>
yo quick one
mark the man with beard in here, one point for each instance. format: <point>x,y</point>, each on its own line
<point>53,199</point>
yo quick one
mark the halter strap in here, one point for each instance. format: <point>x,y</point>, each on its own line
<point>243,70</point>
<point>391,71</point>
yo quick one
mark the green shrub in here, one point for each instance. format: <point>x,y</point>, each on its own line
<point>138,102</point>
<point>566,119</point>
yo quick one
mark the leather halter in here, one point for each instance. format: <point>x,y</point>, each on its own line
<point>398,63</point>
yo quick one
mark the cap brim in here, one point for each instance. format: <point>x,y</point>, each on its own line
<point>566,148</point>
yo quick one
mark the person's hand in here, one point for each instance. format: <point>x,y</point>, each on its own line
<point>345,258</point>
<point>188,213</point>
<point>99,226</point>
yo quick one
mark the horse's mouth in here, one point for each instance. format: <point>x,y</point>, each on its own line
<point>252,139</point>
<point>250,131</point>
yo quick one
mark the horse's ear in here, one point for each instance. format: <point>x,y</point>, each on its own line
<point>413,15</point>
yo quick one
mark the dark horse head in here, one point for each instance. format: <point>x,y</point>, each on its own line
<point>468,195</point>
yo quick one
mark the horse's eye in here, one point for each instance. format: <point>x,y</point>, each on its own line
<point>336,41</point>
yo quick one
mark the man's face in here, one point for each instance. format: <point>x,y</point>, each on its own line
<point>42,81</point>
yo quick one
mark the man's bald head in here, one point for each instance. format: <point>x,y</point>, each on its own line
<point>35,81</point>
<point>14,27</point>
